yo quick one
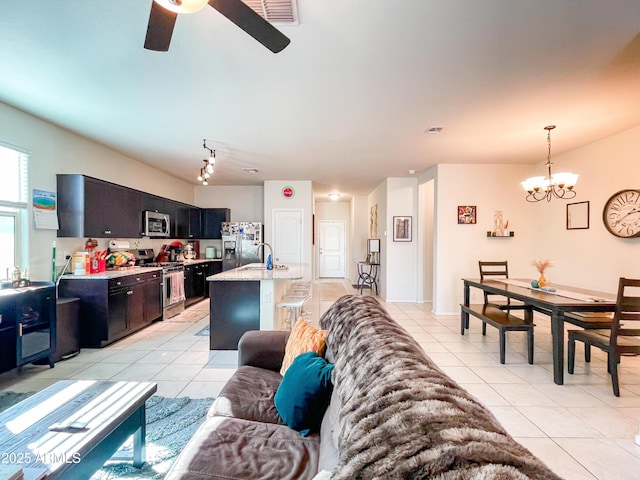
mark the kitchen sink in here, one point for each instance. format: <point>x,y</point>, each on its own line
<point>262,266</point>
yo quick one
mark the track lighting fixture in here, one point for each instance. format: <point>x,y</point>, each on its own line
<point>207,170</point>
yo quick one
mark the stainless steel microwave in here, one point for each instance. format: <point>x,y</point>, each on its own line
<point>156,224</point>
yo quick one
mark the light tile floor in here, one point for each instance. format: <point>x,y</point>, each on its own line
<point>580,429</point>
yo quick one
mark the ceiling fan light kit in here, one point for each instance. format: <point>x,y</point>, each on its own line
<point>182,6</point>
<point>163,15</point>
<point>559,185</point>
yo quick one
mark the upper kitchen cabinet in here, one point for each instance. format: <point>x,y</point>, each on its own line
<point>88,207</point>
<point>188,222</point>
<point>212,219</point>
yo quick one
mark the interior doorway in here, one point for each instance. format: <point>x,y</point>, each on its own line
<point>331,248</point>
<point>427,222</point>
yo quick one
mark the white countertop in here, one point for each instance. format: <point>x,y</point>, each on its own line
<point>202,260</point>
<point>123,272</point>
<point>252,273</point>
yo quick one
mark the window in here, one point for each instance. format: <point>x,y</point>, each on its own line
<point>14,194</point>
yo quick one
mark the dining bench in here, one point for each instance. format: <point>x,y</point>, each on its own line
<point>503,321</point>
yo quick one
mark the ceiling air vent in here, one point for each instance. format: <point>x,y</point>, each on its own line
<point>276,11</point>
<point>433,130</point>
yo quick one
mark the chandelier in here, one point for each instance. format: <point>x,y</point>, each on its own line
<point>207,170</point>
<point>559,185</point>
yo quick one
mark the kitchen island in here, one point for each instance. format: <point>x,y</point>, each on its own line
<point>245,299</point>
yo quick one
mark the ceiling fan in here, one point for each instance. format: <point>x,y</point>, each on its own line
<point>163,16</point>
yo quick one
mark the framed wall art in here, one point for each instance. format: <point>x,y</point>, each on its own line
<point>466,214</point>
<point>578,216</point>
<point>402,229</point>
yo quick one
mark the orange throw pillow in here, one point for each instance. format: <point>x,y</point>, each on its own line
<point>304,338</point>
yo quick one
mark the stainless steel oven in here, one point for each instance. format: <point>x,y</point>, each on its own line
<point>173,297</point>
<point>156,224</point>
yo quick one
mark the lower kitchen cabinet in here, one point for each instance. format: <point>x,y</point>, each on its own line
<point>195,282</point>
<point>111,309</point>
<point>27,325</point>
<point>152,296</point>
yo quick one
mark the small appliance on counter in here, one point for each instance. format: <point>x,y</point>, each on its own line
<point>188,252</point>
<point>211,252</point>
<point>175,251</point>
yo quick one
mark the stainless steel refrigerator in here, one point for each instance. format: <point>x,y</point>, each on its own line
<point>240,244</point>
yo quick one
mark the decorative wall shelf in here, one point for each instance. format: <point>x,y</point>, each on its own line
<point>493,235</point>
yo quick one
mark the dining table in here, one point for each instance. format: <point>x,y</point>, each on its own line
<point>554,302</point>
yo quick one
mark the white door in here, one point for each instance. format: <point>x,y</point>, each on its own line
<point>287,237</point>
<point>331,241</point>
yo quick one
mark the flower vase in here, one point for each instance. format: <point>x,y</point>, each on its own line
<point>542,281</point>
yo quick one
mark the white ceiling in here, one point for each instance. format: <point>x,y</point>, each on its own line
<point>346,104</point>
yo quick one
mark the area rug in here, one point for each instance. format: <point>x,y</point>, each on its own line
<point>203,333</point>
<point>189,316</point>
<point>171,422</point>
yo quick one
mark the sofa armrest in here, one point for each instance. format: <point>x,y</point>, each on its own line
<point>262,348</point>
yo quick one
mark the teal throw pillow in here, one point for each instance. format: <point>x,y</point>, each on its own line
<point>304,393</point>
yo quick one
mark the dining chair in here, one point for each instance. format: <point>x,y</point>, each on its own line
<point>620,339</point>
<point>500,270</point>
<point>490,270</point>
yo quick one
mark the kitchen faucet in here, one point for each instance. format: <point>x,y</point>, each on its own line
<point>263,244</point>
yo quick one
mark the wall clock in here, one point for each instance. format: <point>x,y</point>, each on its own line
<point>621,214</point>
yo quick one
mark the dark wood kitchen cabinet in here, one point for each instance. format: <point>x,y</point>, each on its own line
<point>152,296</point>
<point>188,221</point>
<point>88,207</point>
<point>212,219</point>
<point>27,325</point>
<point>195,282</point>
<point>111,309</point>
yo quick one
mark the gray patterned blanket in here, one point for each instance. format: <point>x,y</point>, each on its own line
<point>403,418</point>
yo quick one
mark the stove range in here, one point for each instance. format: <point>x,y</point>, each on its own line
<point>162,264</point>
<point>173,299</point>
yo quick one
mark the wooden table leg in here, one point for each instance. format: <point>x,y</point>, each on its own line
<point>557,339</point>
<point>465,315</point>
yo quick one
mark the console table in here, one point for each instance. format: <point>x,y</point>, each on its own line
<point>368,276</point>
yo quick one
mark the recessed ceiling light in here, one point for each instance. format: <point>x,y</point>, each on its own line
<point>250,170</point>
<point>334,196</point>
<point>434,130</point>
<point>412,171</point>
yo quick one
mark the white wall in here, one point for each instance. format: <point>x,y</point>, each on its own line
<point>460,247</point>
<point>359,233</point>
<point>402,257</point>
<point>303,199</point>
<point>55,150</point>
<point>426,209</point>
<point>379,197</point>
<point>592,258</point>
<point>246,202</point>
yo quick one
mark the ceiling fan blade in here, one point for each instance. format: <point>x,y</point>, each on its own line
<point>160,28</point>
<point>252,23</point>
